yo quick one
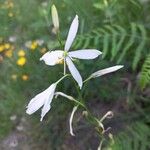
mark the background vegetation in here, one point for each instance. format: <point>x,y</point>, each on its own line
<point>120,29</point>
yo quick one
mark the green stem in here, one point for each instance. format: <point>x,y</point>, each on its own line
<point>62,78</point>
<point>88,112</point>
<point>59,39</point>
<point>78,91</point>
<point>91,117</point>
<point>64,66</point>
<point>87,79</point>
<point>100,145</point>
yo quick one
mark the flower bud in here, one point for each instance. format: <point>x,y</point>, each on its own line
<point>105,71</point>
<point>55,18</point>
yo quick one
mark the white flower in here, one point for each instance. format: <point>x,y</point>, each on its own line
<point>43,99</point>
<point>56,57</point>
<point>28,44</point>
<point>12,38</point>
<point>105,71</point>
<point>40,42</point>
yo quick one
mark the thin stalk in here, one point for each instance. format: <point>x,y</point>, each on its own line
<point>59,39</point>
<point>62,78</point>
<point>64,66</point>
<point>78,91</point>
<point>87,79</point>
<point>84,107</point>
<point>80,104</point>
<point>100,145</point>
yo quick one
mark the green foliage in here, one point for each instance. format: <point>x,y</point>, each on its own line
<point>145,73</point>
<point>11,103</point>
<point>117,43</point>
<point>135,137</point>
<point>119,28</point>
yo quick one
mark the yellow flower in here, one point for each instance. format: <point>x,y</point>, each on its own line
<point>2,48</point>
<point>34,45</point>
<point>11,5</point>
<point>21,61</point>
<point>9,53</point>
<point>21,53</point>
<point>60,61</point>
<point>14,76</point>
<point>7,45</point>
<point>43,50</point>
<point>25,77</point>
<point>10,14</point>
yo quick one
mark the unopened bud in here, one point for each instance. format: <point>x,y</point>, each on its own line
<point>105,71</point>
<point>111,138</point>
<point>55,18</point>
<point>85,113</point>
<point>108,115</point>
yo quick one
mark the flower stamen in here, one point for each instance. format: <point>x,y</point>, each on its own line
<point>60,61</point>
<point>65,54</point>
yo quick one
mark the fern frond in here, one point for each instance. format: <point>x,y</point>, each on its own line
<point>114,37</point>
<point>121,40</point>
<point>105,45</point>
<point>130,42</point>
<point>133,138</point>
<point>145,73</point>
<point>139,49</point>
<point>117,43</point>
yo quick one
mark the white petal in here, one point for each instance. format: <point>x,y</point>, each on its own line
<point>37,102</point>
<point>52,58</point>
<point>72,33</point>
<point>75,73</point>
<point>105,71</point>
<point>71,119</point>
<point>47,104</point>
<point>41,99</point>
<point>85,54</point>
